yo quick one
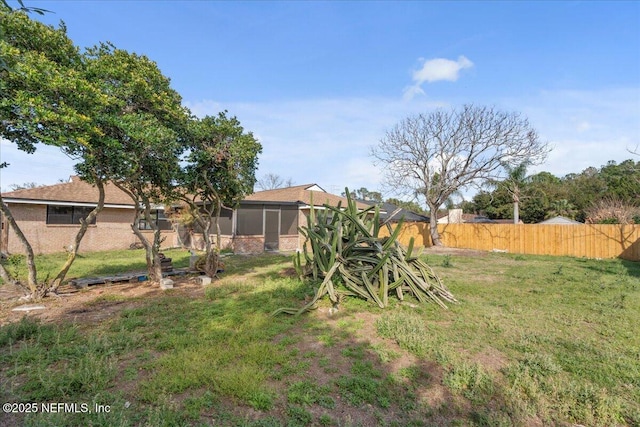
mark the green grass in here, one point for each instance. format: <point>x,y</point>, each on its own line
<point>561,331</point>
<point>534,340</point>
<point>97,263</point>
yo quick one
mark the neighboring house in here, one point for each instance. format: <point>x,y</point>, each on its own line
<point>560,220</point>
<point>49,217</point>
<point>389,209</point>
<point>455,216</point>
<point>479,219</point>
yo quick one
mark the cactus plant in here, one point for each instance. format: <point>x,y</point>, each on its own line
<point>344,249</point>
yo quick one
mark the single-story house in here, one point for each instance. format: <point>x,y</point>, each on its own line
<point>49,217</point>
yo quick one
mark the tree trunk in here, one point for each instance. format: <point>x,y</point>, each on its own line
<point>36,292</point>
<point>433,226</point>
<point>516,205</point>
<point>211,260</point>
<point>152,249</point>
<point>75,247</point>
<point>211,254</point>
<point>152,253</point>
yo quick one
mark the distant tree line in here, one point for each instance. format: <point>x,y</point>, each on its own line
<point>586,196</point>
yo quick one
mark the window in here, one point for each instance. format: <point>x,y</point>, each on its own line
<point>289,221</point>
<point>158,218</point>
<point>67,214</point>
<point>249,222</point>
<point>226,222</point>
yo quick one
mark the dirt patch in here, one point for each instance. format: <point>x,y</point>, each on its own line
<point>443,250</point>
<point>490,359</point>
<point>89,305</point>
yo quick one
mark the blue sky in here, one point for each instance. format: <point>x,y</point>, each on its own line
<point>318,83</point>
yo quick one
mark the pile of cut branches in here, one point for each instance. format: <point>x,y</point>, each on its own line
<point>343,248</point>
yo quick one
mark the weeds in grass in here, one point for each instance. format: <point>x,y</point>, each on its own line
<point>446,261</point>
<point>472,381</point>
<point>385,354</point>
<point>298,416</point>
<point>307,393</point>
<point>22,330</point>
<point>326,420</point>
<point>409,330</point>
<point>365,385</point>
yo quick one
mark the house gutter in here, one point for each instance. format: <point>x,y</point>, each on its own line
<point>63,203</point>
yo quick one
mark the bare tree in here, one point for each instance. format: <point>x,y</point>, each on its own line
<point>271,181</point>
<point>25,186</point>
<point>437,154</point>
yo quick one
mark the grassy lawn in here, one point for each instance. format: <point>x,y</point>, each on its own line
<point>533,341</point>
<point>97,263</point>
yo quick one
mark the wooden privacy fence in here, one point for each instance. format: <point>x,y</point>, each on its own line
<point>579,240</point>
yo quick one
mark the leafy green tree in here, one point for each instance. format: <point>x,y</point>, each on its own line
<point>5,7</point>
<point>622,180</point>
<point>584,189</point>
<point>45,99</point>
<point>218,171</point>
<point>142,123</point>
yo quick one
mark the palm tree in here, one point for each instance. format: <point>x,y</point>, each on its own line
<point>562,207</point>
<point>514,182</point>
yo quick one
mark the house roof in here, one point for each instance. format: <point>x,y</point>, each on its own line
<point>479,219</point>
<point>300,194</point>
<point>559,220</point>
<point>77,191</point>
<point>73,191</point>
<point>387,209</point>
<point>476,219</point>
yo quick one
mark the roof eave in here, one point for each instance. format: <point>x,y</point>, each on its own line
<point>62,203</point>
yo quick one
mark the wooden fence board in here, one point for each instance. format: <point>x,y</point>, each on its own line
<point>579,240</point>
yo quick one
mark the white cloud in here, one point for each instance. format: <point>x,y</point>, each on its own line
<point>410,91</point>
<point>437,69</point>
<point>433,70</point>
